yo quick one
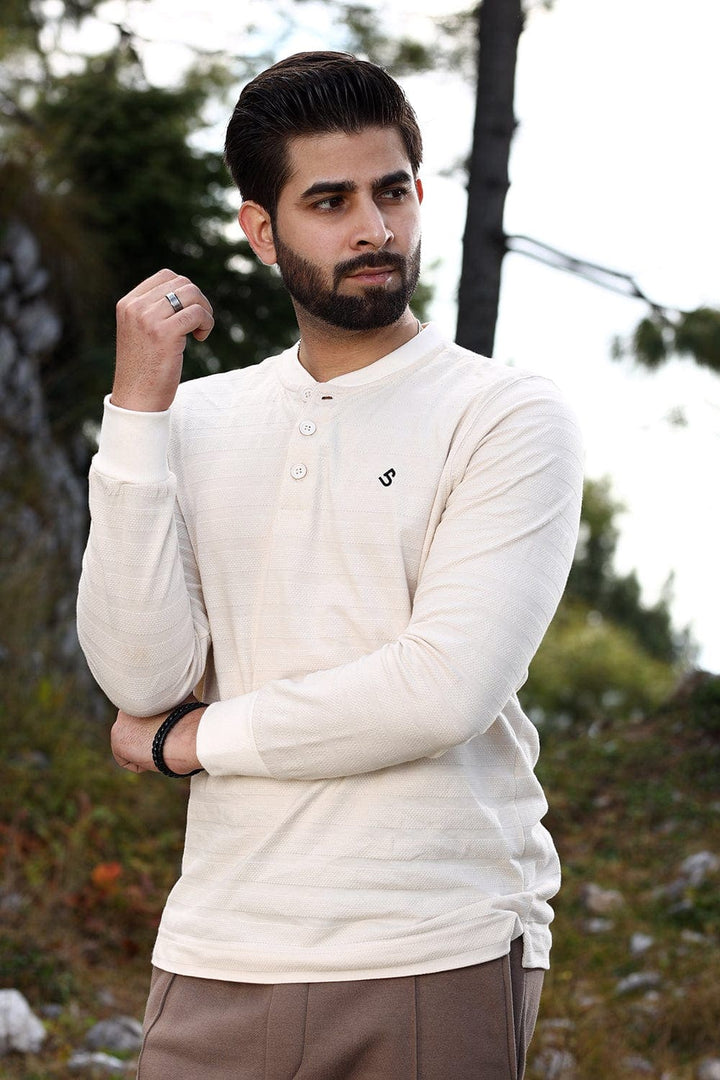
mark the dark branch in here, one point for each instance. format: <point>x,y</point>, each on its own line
<point>607,278</point>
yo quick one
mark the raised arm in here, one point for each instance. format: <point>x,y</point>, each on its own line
<point>141,620</point>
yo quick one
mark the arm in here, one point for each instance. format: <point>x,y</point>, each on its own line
<point>491,582</point>
<point>141,620</point>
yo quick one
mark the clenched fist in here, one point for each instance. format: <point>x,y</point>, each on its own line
<point>151,339</point>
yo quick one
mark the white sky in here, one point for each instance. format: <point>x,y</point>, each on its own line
<point>615,160</point>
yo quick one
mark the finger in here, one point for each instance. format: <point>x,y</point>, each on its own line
<point>195,320</point>
<point>162,277</point>
<point>188,294</point>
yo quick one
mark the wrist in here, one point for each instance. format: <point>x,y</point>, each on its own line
<point>137,401</point>
<point>133,446</point>
<point>174,746</point>
<point>180,749</point>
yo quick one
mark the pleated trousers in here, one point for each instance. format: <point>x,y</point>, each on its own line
<point>471,1023</point>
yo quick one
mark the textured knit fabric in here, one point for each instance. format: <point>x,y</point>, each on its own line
<point>472,1023</point>
<point>360,572</point>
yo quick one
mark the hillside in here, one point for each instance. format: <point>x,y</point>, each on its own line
<point>88,852</point>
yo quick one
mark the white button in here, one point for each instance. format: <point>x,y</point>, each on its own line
<point>307,393</point>
<point>298,471</point>
<point>307,427</point>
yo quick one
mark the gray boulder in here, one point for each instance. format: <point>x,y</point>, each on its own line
<point>20,1029</point>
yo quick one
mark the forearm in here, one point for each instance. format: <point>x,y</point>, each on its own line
<point>141,621</point>
<point>491,583</point>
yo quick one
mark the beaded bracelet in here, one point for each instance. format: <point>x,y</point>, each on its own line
<point>162,733</point>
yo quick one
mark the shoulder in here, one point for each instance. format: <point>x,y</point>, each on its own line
<point>205,399</point>
<point>484,389</point>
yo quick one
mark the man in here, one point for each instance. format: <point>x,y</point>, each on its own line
<point>356,548</point>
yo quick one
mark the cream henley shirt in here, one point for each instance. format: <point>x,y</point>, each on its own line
<point>359,572</point>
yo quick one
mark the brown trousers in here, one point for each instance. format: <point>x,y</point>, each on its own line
<point>471,1023</point>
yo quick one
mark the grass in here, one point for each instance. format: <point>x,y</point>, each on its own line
<point>89,852</point>
<point>628,805</point>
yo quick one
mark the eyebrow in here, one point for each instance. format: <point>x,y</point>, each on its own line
<point>332,187</point>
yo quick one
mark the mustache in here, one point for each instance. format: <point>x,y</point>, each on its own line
<point>369,262</point>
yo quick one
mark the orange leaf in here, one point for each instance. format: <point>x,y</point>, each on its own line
<point>105,875</point>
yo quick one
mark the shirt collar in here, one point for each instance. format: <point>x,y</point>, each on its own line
<point>294,376</point>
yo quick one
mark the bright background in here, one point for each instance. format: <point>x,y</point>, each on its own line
<point>615,160</point>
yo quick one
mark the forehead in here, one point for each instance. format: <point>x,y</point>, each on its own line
<point>359,157</point>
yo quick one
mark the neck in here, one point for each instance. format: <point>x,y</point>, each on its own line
<point>327,351</point>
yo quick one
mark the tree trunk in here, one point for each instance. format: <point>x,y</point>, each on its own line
<point>500,23</point>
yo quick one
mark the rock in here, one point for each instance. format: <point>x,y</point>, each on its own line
<point>38,327</point>
<point>638,1065</point>
<point>638,980</point>
<point>640,943</point>
<point>6,276</point>
<point>23,249</point>
<point>691,937</point>
<point>20,1029</point>
<point>121,1034</point>
<point>599,926</point>
<point>708,1069</point>
<point>107,998</point>
<point>43,505</point>
<point>600,901</point>
<point>552,1064</point>
<point>98,1064</point>
<point>695,869</point>
<point>51,1011</point>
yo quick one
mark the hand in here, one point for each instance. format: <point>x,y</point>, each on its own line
<point>151,340</point>
<point>132,737</point>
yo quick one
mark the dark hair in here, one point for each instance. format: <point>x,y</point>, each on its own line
<point>309,93</point>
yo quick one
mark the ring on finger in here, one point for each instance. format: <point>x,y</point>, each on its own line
<point>174,301</point>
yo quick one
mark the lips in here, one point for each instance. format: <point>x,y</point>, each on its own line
<point>373,275</point>
<point>370,270</point>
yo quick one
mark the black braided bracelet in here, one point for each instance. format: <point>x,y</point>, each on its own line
<point>164,730</point>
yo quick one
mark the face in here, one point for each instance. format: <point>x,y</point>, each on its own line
<point>347,229</point>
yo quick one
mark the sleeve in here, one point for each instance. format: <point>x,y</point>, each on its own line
<point>491,582</point>
<point>141,619</point>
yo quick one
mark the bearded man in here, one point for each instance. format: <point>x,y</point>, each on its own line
<point>316,585</point>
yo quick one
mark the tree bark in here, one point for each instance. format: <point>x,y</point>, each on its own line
<point>500,24</point>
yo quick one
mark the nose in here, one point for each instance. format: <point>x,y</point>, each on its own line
<point>370,228</point>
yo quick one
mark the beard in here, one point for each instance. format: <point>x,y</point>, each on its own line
<point>378,306</point>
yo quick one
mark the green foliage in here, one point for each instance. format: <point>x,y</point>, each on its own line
<point>588,669</point>
<point>606,653</point>
<point>697,334</point>
<point>121,175</point>
<point>649,343</point>
<point>595,583</point>
<point>662,334</point>
<point>705,706</point>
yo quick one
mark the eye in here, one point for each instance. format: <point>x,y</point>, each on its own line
<point>395,194</point>
<point>330,202</point>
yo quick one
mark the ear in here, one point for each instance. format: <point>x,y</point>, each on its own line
<point>255,223</point>
<point>419,189</point>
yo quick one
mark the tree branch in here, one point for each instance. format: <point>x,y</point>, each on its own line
<point>614,280</point>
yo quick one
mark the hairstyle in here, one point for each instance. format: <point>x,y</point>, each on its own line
<point>310,93</point>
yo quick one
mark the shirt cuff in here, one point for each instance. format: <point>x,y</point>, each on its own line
<point>133,445</point>
<point>225,740</point>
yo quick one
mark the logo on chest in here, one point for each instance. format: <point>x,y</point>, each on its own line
<point>387,478</point>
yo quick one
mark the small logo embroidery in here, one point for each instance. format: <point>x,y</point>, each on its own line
<point>387,478</point>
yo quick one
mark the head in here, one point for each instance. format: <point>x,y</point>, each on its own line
<point>325,151</point>
<point>311,93</point>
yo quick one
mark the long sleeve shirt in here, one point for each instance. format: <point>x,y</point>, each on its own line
<point>359,572</point>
